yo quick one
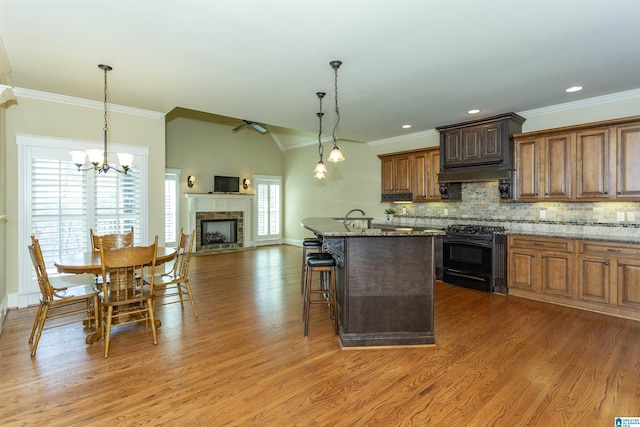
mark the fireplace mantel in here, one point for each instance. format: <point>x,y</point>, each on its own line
<point>208,202</point>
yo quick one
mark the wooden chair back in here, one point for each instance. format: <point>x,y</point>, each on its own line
<point>41,270</point>
<point>123,268</point>
<point>112,241</point>
<point>184,254</point>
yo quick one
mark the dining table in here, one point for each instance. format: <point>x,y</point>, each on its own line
<point>89,263</point>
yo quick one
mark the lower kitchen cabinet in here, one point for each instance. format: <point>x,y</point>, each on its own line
<point>541,265</point>
<point>609,274</point>
<point>589,274</point>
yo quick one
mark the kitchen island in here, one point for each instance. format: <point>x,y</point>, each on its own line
<point>384,282</point>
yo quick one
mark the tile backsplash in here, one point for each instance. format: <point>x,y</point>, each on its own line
<point>481,205</point>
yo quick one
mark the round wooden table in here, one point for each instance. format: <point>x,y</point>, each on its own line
<point>89,262</point>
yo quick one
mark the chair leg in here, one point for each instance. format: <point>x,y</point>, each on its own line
<point>153,322</point>
<point>107,332</point>
<point>36,321</point>
<point>43,318</point>
<point>188,289</point>
<point>307,300</point>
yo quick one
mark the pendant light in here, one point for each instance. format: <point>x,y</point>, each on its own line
<point>320,169</point>
<point>336,155</point>
<point>99,159</point>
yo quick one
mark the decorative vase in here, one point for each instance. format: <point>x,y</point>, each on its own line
<point>388,218</point>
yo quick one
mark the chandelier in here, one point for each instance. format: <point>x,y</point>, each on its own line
<point>320,169</point>
<point>335,155</point>
<point>99,158</point>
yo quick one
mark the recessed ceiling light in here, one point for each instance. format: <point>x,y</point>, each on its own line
<point>406,126</point>
<point>573,89</point>
<point>474,111</point>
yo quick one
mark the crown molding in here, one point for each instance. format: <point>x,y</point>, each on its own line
<point>401,138</point>
<point>85,103</point>
<point>619,96</point>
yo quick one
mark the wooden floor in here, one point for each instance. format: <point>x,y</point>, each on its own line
<point>498,361</point>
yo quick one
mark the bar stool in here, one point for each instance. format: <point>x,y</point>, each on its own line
<point>309,244</point>
<point>324,263</point>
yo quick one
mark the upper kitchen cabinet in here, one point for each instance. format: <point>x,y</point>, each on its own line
<point>483,142</point>
<point>588,162</point>
<point>396,177</point>
<point>413,176</point>
<point>628,161</point>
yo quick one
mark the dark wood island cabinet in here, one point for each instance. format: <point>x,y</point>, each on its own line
<point>385,282</point>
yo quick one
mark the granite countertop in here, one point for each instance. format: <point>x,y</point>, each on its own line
<point>630,238</point>
<point>329,227</point>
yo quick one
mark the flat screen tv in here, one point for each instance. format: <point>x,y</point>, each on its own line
<point>226,184</point>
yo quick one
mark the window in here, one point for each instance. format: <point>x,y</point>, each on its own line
<point>268,208</point>
<point>171,206</point>
<point>60,204</point>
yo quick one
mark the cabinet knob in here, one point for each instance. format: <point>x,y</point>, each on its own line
<point>606,263</point>
<point>606,192</point>
<point>613,250</point>
<point>543,256</point>
<point>620,265</point>
<point>619,192</point>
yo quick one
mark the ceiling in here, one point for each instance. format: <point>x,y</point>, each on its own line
<point>421,62</point>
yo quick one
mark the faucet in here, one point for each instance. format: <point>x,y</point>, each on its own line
<point>344,221</point>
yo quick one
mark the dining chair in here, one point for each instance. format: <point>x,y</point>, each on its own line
<point>126,298</point>
<point>60,302</point>
<point>111,241</point>
<point>176,282</point>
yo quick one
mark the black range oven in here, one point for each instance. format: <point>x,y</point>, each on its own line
<point>474,256</point>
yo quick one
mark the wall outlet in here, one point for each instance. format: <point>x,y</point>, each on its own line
<point>543,214</point>
<point>404,211</point>
<point>446,212</point>
<point>631,216</point>
<point>620,216</point>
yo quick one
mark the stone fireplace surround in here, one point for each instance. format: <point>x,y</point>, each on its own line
<point>220,206</point>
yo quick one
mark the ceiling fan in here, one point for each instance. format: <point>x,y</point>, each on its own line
<point>257,126</point>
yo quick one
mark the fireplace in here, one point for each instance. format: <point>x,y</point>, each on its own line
<point>226,207</point>
<point>219,230</point>
<point>216,231</point>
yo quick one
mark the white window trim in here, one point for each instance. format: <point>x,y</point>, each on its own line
<point>178,175</point>
<point>25,143</point>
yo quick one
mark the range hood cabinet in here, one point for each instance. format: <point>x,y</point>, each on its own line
<point>481,150</point>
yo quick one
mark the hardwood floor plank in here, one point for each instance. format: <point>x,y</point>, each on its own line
<point>498,360</point>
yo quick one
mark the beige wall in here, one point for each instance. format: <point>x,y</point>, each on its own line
<point>55,119</point>
<point>3,208</point>
<point>203,149</point>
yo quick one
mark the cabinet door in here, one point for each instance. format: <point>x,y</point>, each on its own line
<point>628,155</point>
<point>419,186</point>
<point>524,272</point>
<point>592,165</point>
<point>556,160</point>
<point>629,282</point>
<point>452,147</point>
<point>433,158</point>
<point>388,175</point>
<point>556,274</point>
<point>593,278</point>
<point>527,178</point>
<point>491,142</point>
<point>403,174</point>
<point>471,145</point>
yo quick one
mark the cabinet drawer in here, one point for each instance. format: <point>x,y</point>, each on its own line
<point>561,245</point>
<point>609,248</point>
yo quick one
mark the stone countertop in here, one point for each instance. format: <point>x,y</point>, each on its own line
<point>630,238</point>
<point>329,227</point>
